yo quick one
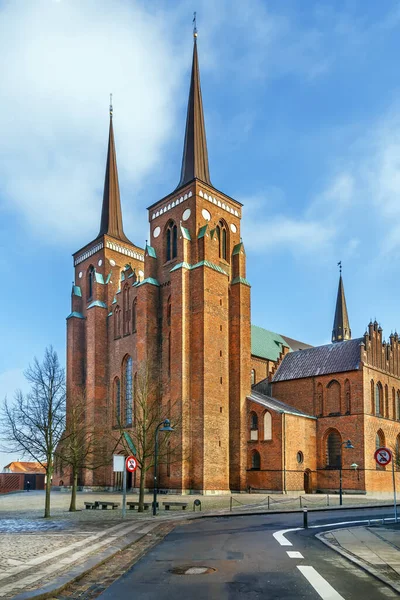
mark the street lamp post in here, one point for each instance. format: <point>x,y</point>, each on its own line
<point>163,426</point>
<point>349,446</point>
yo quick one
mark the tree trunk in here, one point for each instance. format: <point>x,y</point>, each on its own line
<point>49,474</point>
<point>72,506</point>
<point>141,489</point>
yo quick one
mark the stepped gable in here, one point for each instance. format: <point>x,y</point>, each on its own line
<point>320,360</point>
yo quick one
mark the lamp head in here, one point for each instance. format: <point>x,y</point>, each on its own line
<point>166,426</point>
<point>349,445</point>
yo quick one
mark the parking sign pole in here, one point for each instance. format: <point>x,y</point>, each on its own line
<point>124,493</point>
<point>394,492</point>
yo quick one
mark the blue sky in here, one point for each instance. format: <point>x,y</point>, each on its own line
<point>302,107</point>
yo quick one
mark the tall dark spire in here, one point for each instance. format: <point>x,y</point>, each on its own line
<point>111,214</point>
<point>341,326</point>
<point>195,156</point>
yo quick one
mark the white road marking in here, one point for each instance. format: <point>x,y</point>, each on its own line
<point>352,522</point>
<point>320,585</point>
<point>280,538</point>
<point>294,554</point>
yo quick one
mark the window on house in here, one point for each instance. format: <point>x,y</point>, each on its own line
<point>90,282</point>
<point>347,392</point>
<point>171,241</point>
<point>222,235</point>
<point>255,461</point>
<point>128,390</point>
<point>134,315</point>
<point>333,394</point>
<point>378,399</point>
<point>117,400</point>
<point>267,426</point>
<point>333,449</point>
<point>253,426</point>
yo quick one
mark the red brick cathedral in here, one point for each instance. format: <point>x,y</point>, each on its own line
<point>255,409</point>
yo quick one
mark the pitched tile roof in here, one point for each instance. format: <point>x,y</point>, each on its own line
<point>276,405</point>
<point>24,467</point>
<point>321,360</point>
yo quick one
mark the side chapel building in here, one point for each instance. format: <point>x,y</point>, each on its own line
<point>256,409</point>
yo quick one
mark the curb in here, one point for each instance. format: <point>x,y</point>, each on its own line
<point>78,571</point>
<point>360,563</point>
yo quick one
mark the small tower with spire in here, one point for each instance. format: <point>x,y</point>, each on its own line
<point>341,327</point>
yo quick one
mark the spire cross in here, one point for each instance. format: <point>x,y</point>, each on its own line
<point>194,25</point>
<point>111,106</point>
<point>340,266</point>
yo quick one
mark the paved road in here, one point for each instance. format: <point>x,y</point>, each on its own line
<point>251,563</point>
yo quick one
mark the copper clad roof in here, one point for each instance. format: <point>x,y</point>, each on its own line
<point>341,326</point>
<point>321,360</point>
<point>195,156</point>
<point>111,214</point>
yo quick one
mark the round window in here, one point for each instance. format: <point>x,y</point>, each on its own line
<point>300,457</point>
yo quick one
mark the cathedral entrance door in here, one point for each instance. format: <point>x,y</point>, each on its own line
<point>307,481</point>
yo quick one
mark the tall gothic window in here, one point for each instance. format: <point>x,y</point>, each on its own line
<point>222,234</point>
<point>117,400</point>
<point>117,322</point>
<point>90,282</point>
<point>320,400</point>
<point>378,399</point>
<point>393,404</point>
<point>128,390</point>
<point>172,241</point>
<point>134,316</point>
<point>347,393</point>
<point>333,394</point>
<point>386,413</point>
<point>333,449</point>
<point>255,461</point>
<point>126,309</point>
<point>267,426</point>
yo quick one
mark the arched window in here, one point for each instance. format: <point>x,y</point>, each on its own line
<point>386,413</point>
<point>398,406</point>
<point>255,460</point>
<point>117,400</point>
<point>222,234</point>
<point>253,377</point>
<point>90,282</point>
<point>128,395</point>
<point>347,394</point>
<point>379,443</point>
<point>267,426</point>
<point>378,399</point>
<point>253,426</point>
<point>319,406</point>
<point>169,311</point>
<point>117,322</point>
<point>333,449</point>
<point>126,315</point>
<point>134,315</point>
<point>333,398</point>
<point>372,397</point>
<point>171,241</point>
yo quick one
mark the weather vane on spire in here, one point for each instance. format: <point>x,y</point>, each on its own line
<point>111,106</point>
<point>340,266</point>
<point>194,25</point>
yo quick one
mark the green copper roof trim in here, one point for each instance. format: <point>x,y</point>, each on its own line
<point>78,315</point>
<point>122,276</point>
<point>181,265</point>
<point>99,278</point>
<point>149,280</point>
<point>118,291</point>
<point>76,291</point>
<point>132,274</point>
<point>266,344</point>
<point>185,233</point>
<point>240,280</point>
<point>212,233</point>
<point>114,301</point>
<point>150,251</point>
<point>202,232</point>
<point>98,303</point>
<point>108,278</point>
<point>237,248</point>
<point>109,314</point>
<point>203,263</point>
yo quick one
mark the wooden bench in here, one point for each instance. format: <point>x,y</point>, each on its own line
<point>105,505</point>
<point>91,505</point>
<point>133,505</point>
<point>168,504</point>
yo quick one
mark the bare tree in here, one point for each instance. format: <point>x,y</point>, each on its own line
<point>78,448</point>
<point>148,412</point>
<point>32,425</point>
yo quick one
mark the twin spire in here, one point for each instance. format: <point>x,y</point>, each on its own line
<point>194,160</point>
<point>341,326</point>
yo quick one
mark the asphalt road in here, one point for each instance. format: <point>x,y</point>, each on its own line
<point>251,563</point>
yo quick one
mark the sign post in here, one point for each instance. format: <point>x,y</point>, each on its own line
<point>383,456</point>
<point>119,467</point>
<point>131,466</point>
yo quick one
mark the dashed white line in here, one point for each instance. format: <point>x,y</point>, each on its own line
<point>294,554</point>
<point>320,585</point>
<point>280,538</point>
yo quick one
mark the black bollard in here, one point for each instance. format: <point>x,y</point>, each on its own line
<point>305,518</point>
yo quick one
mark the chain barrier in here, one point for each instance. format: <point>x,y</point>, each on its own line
<point>270,500</point>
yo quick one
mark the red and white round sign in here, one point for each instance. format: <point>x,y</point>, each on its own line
<point>383,456</point>
<point>131,464</point>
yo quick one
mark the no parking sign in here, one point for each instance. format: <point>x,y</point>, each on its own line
<point>131,464</point>
<point>383,456</point>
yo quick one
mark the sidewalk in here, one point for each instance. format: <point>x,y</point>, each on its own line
<point>375,549</point>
